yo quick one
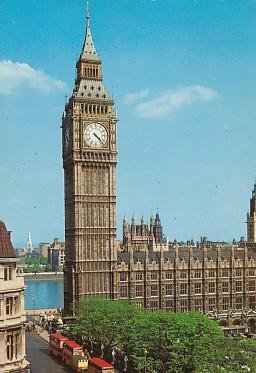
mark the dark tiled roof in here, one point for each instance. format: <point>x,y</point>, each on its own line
<point>6,248</point>
<point>185,253</point>
<point>123,256</point>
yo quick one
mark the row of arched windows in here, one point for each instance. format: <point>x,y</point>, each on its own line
<point>91,72</point>
<point>94,109</point>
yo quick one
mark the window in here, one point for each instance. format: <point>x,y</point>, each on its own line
<point>212,273</point>
<point>225,272</point>
<point>239,286</point>
<point>252,303</point>
<point>251,272</point>
<point>239,303</point>
<point>139,276</point>
<point>16,305</point>
<point>154,275</point>
<point>7,273</point>
<point>154,290</point>
<point>212,287</point>
<point>154,305</point>
<point>12,345</point>
<point>225,287</point>
<point>9,306</point>
<point>123,276</point>
<point>198,304</point>
<point>169,305</point>
<point>123,291</point>
<point>198,273</point>
<point>238,272</point>
<point>211,304</point>
<point>138,290</point>
<point>168,275</point>
<point>198,288</point>
<point>183,305</point>
<point>183,288</point>
<point>139,304</point>
<point>168,289</point>
<point>251,285</point>
<point>9,347</point>
<point>225,303</point>
<point>183,274</point>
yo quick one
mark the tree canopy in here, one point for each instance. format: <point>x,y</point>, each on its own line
<point>155,341</point>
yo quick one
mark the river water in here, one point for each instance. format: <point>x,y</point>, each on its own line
<point>41,294</point>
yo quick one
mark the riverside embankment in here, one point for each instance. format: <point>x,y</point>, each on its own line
<point>43,276</point>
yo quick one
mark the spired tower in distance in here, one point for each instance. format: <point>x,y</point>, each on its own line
<point>89,162</point>
<point>251,218</point>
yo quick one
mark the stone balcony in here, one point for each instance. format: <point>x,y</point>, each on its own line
<point>12,320</point>
<point>16,284</point>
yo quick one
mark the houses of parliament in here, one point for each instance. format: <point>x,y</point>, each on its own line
<point>216,278</point>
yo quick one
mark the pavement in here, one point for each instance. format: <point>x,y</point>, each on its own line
<point>42,333</point>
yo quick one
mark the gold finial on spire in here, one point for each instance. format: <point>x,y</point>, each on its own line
<point>87,13</point>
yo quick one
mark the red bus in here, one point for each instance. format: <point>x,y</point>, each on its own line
<point>55,346</point>
<point>98,365</point>
<point>73,356</point>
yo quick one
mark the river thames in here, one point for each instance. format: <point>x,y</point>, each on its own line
<point>42,294</point>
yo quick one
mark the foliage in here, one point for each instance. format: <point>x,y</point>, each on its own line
<point>48,267</point>
<point>40,261</point>
<point>238,355</point>
<point>103,324</point>
<point>174,342</point>
<point>36,265</point>
<point>159,341</point>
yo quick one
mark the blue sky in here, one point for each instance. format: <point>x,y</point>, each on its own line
<point>182,73</point>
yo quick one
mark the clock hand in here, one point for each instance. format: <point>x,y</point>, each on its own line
<point>98,138</point>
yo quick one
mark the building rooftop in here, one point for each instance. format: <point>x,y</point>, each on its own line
<point>6,248</point>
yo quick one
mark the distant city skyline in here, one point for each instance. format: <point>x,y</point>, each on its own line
<point>183,78</point>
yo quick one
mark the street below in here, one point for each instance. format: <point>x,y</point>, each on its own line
<point>40,359</point>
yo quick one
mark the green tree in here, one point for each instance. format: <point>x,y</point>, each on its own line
<point>48,267</point>
<point>238,356</point>
<point>174,342</point>
<point>43,260</point>
<point>36,268</point>
<point>156,341</point>
<point>103,324</point>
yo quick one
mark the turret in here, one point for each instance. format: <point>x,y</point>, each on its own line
<point>125,228</point>
<point>158,230</point>
<point>133,226</point>
<point>143,231</point>
<point>251,218</point>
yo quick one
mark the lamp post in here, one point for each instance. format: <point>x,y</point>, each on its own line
<point>33,305</point>
<point>91,346</point>
<point>102,350</point>
<point>125,363</point>
<point>113,356</point>
<point>145,361</point>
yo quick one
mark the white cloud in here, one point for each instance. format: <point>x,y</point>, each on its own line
<point>14,75</point>
<point>172,100</point>
<point>130,98</point>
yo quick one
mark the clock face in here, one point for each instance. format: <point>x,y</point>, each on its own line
<point>95,135</point>
<point>66,139</point>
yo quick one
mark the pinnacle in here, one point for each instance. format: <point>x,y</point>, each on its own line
<point>89,51</point>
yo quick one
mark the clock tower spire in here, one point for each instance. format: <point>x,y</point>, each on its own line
<point>89,162</point>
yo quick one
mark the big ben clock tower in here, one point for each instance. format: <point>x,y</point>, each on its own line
<point>89,162</point>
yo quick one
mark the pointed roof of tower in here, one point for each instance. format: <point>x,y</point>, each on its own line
<point>6,248</point>
<point>89,51</point>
